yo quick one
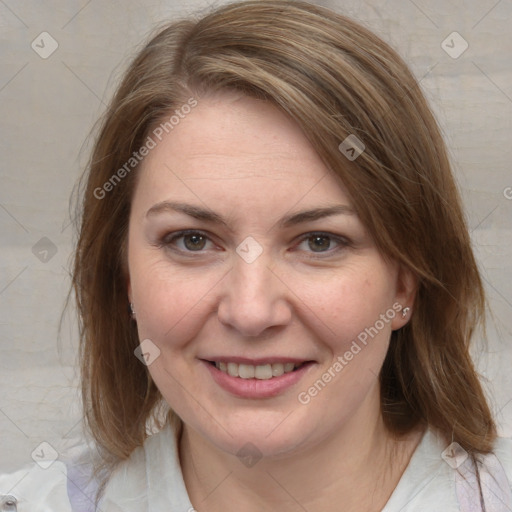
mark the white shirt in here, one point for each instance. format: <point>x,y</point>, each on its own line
<point>151,480</point>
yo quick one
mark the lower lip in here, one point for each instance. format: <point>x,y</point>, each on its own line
<point>256,388</point>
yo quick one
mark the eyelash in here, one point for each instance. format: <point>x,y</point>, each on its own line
<point>167,241</point>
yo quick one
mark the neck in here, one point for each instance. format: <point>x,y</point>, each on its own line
<point>357,469</point>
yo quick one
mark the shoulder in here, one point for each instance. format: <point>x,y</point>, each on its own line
<point>37,488</point>
<point>150,479</point>
<point>61,480</point>
<point>490,479</point>
<point>503,452</point>
<point>442,476</point>
<point>126,487</point>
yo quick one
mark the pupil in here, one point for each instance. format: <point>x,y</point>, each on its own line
<point>194,242</point>
<point>322,242</point>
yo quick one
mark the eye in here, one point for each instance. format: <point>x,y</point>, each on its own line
<point>187,241</point>
<point>322,243</point>
<point>193,241</point>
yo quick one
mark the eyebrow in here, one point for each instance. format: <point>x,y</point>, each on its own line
<point>207,215</point>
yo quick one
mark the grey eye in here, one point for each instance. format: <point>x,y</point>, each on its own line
<point>8,503</point>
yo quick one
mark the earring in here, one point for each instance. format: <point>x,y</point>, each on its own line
<point>405,311</point>
<point>132,310</point>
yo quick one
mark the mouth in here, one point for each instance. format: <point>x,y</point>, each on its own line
<point>257,378</point>
<point>265,371</point>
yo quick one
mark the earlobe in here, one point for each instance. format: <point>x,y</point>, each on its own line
<point>406,288</point>
<point>130,298</point>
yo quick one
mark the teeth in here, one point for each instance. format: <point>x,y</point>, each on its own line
<point>246,371</point>
<point>288,367</point>
<point>233,369</point>
<point>262,372</point>
<point>277,369</point>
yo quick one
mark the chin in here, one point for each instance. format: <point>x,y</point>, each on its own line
<point>255,438</point>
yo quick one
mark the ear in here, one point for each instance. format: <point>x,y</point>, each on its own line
<point>406,287</point>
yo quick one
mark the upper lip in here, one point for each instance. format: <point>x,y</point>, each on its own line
<point>256,361</point>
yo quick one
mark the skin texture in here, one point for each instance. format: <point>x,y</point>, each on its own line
<point>246,161</point>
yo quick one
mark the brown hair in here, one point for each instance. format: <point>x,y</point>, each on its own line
<point>334,78</point>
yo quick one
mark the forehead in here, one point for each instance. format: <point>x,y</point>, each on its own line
<point>233,145</point>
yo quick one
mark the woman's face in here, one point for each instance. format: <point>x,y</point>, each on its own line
<point>275,270</point>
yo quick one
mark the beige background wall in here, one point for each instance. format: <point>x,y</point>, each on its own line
<point>49,105</point>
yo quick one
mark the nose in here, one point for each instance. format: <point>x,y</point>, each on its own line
<point>254,298</point>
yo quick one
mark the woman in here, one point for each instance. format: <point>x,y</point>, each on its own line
<point>274,273</point>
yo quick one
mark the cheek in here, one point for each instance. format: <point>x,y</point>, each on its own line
<point>350,302</point>
<point>170,302</point>
<point>171,310</point>
<point>360,340</point>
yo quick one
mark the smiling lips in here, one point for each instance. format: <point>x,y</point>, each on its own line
<point>256,378</point>
<point>261,371</point>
